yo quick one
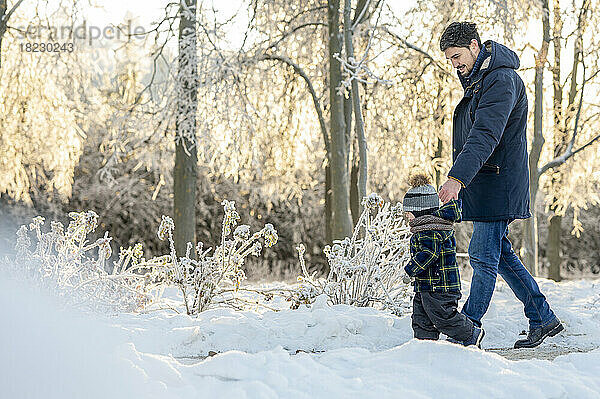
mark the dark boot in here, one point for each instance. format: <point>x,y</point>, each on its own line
<point>537,335</point>
<point>476,338</point>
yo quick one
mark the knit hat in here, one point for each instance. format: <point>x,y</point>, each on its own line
<point>422,198</point>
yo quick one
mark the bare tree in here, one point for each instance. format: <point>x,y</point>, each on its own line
<point>531,226</point>
<point>341,199</point>
<point>567,126</point>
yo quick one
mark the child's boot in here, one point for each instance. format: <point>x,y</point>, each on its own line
<point>476,338</point>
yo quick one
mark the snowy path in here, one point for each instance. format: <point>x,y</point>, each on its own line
<point>544,352</point>
<point>318,352</point>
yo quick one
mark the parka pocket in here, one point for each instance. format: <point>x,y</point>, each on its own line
<point>490,169</point>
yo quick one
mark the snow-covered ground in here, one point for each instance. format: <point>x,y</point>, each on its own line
<point>49,351</point>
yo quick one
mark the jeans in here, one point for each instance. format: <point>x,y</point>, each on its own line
<point>490,253</point>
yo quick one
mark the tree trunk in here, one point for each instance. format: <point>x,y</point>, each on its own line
<point>530,247</point>
<point>359,123</point>
<point>560,144</point>
<point>353,163</point>
<point>439,118</point>
<point>342,222</point>
<point>348,124</point>
<point>328,200</point>
<point>354,194</point>
<point>185,171</point>
<point>554,257</point>
<point>530,241</point>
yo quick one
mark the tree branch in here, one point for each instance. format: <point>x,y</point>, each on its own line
<point>564,157</point>
<point>311,89</point>
<point>419,50</point>
<point>559,160</point>
<point>5,18</point>
<point>359,13</point>
<point>289,21</point>
<point>291,32</point>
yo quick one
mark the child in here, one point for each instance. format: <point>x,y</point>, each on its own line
<point>433,266</point>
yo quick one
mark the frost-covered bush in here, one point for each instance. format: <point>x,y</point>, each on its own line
<point>64,261</point>
<point>367,268</point>
<point>211,280</point>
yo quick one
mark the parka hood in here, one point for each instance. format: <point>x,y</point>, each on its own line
<point>496,56</point>
<point>501,56</point>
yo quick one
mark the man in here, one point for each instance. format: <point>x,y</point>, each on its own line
<point>490,173</point>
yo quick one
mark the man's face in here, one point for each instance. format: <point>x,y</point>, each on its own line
<point>463,58</point>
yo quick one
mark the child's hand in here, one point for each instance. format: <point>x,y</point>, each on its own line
<point>406,279</point>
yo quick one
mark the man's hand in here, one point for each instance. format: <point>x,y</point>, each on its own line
<point>449,190</point>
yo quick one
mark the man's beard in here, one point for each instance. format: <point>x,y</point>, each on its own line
<point>467,71</point>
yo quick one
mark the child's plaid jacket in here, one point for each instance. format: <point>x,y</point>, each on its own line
<point>433,254</point>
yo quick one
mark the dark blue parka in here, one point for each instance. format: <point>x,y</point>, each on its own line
<point>489,139</point>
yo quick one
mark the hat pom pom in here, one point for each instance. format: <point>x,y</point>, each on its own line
<point>419,180</point>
